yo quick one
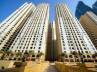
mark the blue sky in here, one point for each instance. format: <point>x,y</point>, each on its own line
<point>8,6</point>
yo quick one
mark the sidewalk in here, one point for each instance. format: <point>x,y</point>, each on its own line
<point>51,68</point>
<point>36,67</point>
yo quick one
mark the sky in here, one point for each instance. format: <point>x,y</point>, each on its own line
<point>9,6</point>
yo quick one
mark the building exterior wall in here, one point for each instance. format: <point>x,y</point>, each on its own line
<point>94,7</point>
<point>12,25</point>
<point>54,41</point>
<point>49,50</point>
<point>89,23</point>
<point>71,37</point>
<point>81,9</point>
<point>33,35</point>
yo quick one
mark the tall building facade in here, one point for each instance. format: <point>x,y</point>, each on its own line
<point>54,41</point>
<point>11,26</point>
<point>81,9</point>
<point>33,35</point>
<point>70,36</point>
<point>49,51</point>
<point>94,7</point>
<point>89,23</point>
<point>51,44</point>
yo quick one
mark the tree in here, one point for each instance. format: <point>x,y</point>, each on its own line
<point>94,56</point>
<point>31,52</point>
<point>40,54</point>
<point>63,55</point>
<point>25,56</point>
<point>75,54</point>
<point>18,54</point>
<point>1,54</point>
<point>9,52</point>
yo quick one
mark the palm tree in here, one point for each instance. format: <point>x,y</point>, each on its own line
<point>9,52</point>
<point>81,57</point>
<point>12,55</point>
<point>63,55</point>
<point>1,54</point>
<point>31,52</point>
<point>94,56</point>
<point>6,53</point>
<point>39,55</point>
<point>25,56</point>
<point>74,54</point>
<point>18,54</point>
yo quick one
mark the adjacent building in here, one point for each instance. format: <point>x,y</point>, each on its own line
<point>11,26</point>
<point>51,44</point>
<point>26,29</point>
<point>49,50</point>
<point>81,9</point>
<point>33,34</point>
<point>89,23</point>
<point>71,37</point>
<point>94,7</point>
<point>54,41</point>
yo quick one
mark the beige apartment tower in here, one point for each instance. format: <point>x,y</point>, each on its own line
<point>11,26</point>
<point>71,37</point>
<point>33,35</point>
<point>89,23</point>
<point>26,29</point>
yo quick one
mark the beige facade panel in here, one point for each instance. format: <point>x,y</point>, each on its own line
<point>33,35</point>
<point>71,36</point>
<point>12,24</point>
<point>89,23</point>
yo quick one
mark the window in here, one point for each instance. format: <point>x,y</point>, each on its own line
<point>39,47</point>
<point>70,56</point>
<point>88,56</point>
<point>86,51</point>
<point>39,51</point>
<point>30,47</point>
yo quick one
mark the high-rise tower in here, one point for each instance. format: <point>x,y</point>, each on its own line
<point>89,23</point>
<point>94,7</point>
<point>33,35</point>
<point>81,9</point>
<point>10,27</point>
<point>71,37</point>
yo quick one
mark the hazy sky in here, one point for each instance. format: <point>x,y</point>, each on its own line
<point>8,6</point>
